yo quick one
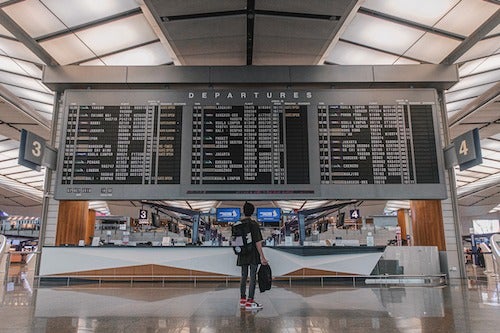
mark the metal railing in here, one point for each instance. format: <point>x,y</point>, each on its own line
<point>384,280</point>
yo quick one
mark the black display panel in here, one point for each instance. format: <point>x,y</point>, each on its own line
<point>377,144</point>
<point>249,144</point>
<point>126,144</point>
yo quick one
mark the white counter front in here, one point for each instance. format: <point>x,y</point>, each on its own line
<point>202,261</point>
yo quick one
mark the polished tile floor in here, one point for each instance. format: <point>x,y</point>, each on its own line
<point>462,306</point>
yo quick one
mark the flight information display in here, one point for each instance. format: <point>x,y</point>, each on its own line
<point>125,144</point>
<point>377,144</point>
<point>249,144</point>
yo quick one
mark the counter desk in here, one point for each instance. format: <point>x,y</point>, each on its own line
<point>187,262</point>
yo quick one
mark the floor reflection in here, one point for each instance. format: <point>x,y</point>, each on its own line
<point>463,306</point>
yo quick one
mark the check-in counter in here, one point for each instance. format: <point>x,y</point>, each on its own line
<point>186,263</point>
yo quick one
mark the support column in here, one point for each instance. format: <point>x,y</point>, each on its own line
<point>427,223</point>
<point>72,222</point>
<point>194,232</point>
<point>302,228</point>
<point>402,223</point>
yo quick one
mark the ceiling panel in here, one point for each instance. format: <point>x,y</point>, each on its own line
<point>467,93</point>
<point>210,41</point>
<point>345,53</point>
<point>26,174</point>
<point>15,49</point>
<point>450,107</point>
<point>5,32</point>
<point>426,12</point>
<point>489,113</point>
<point>405,61</point>
<point>9,65</point>
<point>25,201</point>
<point>6,144</point>
<point>301,39</point>
<point>14,170</point>
<point>10,132</point>
<point>67,49</point>
<point>465,179</point>
<point>476,80</point>
<point>381,34</point>
<point>77,12</point>
<point>32,95</point>
<point>29,68</point>
<point>490,129</point>
<point>491,163</point>
<point>186,7</point>
<point>117,35</point>
<point>24,12</point>
<point>493,154</point>
<point>482,49</point>
<point>319,7</point>
<point>483,169</point>
<point>480,65</point>
<point>23,81</point>
<point>470,200</point>
<point>495,31</point>
<point>432,48</point>
<point>491,144</point>
<point>8,163</point>
<point>6,154</point>
<point>215,27</point>
<point>467,16</point>
<point>147,55</point>
<point>488,192</point>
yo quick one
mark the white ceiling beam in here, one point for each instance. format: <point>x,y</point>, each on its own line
<point>344,21</point>
<point>26,39</point>
<point>473,38</point>
<point>159,30</point>
<point>477,104</point>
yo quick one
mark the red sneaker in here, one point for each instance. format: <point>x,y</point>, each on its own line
<point>252,305</point>
<point>243,302</point>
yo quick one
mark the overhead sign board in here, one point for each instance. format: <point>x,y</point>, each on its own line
<point>468,149</point>
<point>228,214</point>
<point>268,214</point>
<point>31,150</point>
<point>354,214</point>
<point>248,144</point>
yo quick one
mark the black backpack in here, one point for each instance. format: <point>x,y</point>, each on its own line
<point>241,238</point>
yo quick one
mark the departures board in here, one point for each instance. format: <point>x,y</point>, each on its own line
<point>249,144</point>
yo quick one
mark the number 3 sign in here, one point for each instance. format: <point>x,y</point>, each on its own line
<point>31,150</point>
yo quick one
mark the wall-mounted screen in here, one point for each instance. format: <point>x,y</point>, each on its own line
<point>249,144</point>
<point>228,214</point>
<point>268,214</point>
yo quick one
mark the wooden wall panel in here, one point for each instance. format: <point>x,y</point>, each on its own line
<point>89,227</point>
<point>402,223</point>
<point>427,223</point>
<point>71,222</point>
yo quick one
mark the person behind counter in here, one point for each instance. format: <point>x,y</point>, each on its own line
<point>250,261</point>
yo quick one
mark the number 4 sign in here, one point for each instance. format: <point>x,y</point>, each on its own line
<point>468,149</point>
<point>354,213</point>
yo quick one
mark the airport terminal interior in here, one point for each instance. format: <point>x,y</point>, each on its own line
<point>366,134</point>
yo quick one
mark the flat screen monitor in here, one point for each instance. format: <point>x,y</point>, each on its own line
<point>228,214</point>
<point>268,214</point>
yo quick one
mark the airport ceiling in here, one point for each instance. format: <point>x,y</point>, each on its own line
<point>36,33</point>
